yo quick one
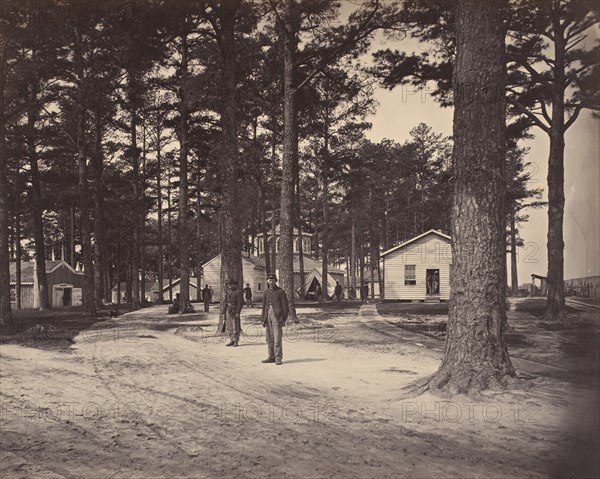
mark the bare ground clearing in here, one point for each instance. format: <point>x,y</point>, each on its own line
<point>154,395</point>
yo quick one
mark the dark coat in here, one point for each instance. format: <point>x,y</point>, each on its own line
<point>235,302</point>
<point>206,295</point>
<point>278,299</point>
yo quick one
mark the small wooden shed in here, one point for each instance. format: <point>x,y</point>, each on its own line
<point>65,285</point>
<point>254,271</point>
<point>419,269</point>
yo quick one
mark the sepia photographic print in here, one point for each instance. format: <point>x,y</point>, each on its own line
<point>303,239</point>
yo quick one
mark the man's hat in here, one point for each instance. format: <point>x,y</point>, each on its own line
<point>272,276</point>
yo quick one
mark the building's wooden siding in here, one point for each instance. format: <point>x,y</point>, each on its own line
<point>429,252</point>
<point>584,287</point>
<point>26,297</point>
<point>255,275</point>
<point>62,275</point>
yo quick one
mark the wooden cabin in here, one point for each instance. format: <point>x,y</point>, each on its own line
<point>175,287</point>
<point>254,272</point>
<point>419,269</point>
<point>65,285</point>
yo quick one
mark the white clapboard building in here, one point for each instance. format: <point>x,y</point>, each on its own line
<point>419,269</point>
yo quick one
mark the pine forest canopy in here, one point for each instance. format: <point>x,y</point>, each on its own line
<point>144,138</point>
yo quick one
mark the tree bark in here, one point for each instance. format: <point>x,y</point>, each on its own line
<point>89,302</point>
<point>231,264</point>
<point>475,355</point>
<point>99,227</point>
<point>352,267</point>
<point>290,153</point>
<point>325,199</point>
<point>5,308</point>
<point>183,222</point>
<point>555,307</point>
<point>161,254</point>
<point>135,163</point>
<point>263,227</point>
<point>274,250</point>
<point>36,204</point>
<point>18,256</point>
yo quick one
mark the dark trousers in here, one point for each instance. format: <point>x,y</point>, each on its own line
<point>233,324</point>
<point>206,305</point>
<point>274,334</point>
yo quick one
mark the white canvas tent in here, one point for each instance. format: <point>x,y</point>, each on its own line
<point>316,274</point>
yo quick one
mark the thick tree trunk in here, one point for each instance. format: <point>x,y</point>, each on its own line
<point>36,208</point>
<point>5,309</point>
<point>89,302</point>
<point>99,227</point>
<point>556,179</point>
<point>290,153</point>
<point>475,355</point>
<point>274,250</point>
<point>263,226</point>
<point>183,222</point>
<point>135,163</point>
<point>231,265</point>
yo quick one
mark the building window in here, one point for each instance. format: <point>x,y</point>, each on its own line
<point>259,286</point>
<point>410,274</point>
<point>13,294</point>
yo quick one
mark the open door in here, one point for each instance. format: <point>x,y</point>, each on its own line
<point>432,280</point>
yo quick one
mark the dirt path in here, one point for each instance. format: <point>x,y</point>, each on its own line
<point>150,395</point>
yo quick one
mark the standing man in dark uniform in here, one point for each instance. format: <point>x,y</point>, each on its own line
<point>338,292</point>
<point>275,311</point>
<point>248,295</point>
<point>234,304</point>
<point>206,297</point>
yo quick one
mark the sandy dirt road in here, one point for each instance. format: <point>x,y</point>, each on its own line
<point>150,395</point>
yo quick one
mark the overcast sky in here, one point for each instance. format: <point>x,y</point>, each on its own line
<point>403,108</point>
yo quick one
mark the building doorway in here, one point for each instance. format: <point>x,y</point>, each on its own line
<point>62,295</point>
<point>432,280</point>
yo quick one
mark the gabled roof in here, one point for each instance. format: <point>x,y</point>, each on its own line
<point>254,260</point>
<point>406,243</point>
<point>28,267</point>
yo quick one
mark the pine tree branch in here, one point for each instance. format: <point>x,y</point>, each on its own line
<point>519,106</point>
<point>60,127</point>
<point>574,116</point>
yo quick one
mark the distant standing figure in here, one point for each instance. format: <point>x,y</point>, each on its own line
<point>206,297</point>
<point>275,310</point>
<point>248,295</point>
<point>364,293</point>
<point>318,292</point>
<point>338,292</point>
<point>235,303</point>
